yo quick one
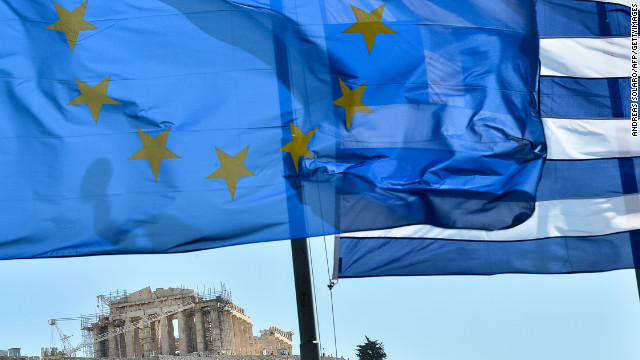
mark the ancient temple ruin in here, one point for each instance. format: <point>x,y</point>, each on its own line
<point>143,324</point>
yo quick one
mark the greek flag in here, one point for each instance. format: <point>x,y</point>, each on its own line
<point>587,215</point>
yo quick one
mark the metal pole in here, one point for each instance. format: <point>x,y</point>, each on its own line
<point>309,349</point>
<point>638,280</point>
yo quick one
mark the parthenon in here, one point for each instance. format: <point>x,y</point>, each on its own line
<point>141,324</point>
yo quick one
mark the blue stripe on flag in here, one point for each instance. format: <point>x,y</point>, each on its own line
<point>562,18</point>
<point>365,257</point>
<point>575,179</point>
<point>584,98</point>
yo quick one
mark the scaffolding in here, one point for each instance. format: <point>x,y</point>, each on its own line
<point>102,309</point>
<point>104,301</point>
<point>211,293</point>
<point>216,317</point>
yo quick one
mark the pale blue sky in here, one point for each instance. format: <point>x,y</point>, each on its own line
<point>582,316</point>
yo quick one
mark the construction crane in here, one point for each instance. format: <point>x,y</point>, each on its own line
<point>70,350</point>
<point>66,344</point>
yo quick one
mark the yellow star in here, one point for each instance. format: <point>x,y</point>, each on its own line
<point>351,101</point>
<point>154,150</point>
<point>71,23</point>
<point>94,97</point>
<point>231,169</point>
<point>369,25</point>
<point>297,147</point>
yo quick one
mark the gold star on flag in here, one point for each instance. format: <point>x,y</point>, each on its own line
<point>154,150</point>
<point>369,25</point>
<point>71,23</point>
<point>231,169</point>
<point>297,147</point>
<point>351,101</point>
<point>94,97</point>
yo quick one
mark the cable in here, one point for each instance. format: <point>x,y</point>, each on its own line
<point>330,286</point>
<point>315,301</point>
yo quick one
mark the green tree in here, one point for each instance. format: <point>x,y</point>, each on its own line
<point>371,350</point>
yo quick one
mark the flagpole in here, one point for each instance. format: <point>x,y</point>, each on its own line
<point>638,280</point>
<point>309,348</point>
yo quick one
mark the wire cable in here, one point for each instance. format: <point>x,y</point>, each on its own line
<point>315,300</point>
<point>330,286</point>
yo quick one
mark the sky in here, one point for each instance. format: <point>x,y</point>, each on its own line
<point>583,316</point>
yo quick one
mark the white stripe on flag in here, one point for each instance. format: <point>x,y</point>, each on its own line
<point>568,217</point>
<point>621,2</point>
<point>586,57</point>
<point>578,139</point>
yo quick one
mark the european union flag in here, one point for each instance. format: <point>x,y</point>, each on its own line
<point>153,126</point>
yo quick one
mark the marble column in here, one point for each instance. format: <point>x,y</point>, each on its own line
<point>245,342</point>
<point>182,330</point>
<point>215,332</point>
<point>111,341</point>
<point>232,330</point>
<point>137,342</point>
<point>147,340</point>
<point>155,337</point>
<point>97,345</point>
<point>128,339</point>
<point>200,341</point>
<point>164,336</point>
<point>172,336</point>
<point>243,335</point>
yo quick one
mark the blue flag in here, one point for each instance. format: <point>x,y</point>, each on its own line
<point>588,211</point>
<point>154,126</point>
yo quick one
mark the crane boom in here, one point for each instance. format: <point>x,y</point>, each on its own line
<point>66,344</point>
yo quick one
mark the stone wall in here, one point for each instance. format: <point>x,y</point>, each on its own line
<point>212,357</point>
<point>167,357</point>
<point>241,357</point>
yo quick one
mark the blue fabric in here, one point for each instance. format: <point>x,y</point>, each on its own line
<point>578,179</point>
<point>454,129</point>
<point>579,18</point>
<point>575,180</point>
<point>584,98</point>
<point>366,257</point>
<point>444,103</point>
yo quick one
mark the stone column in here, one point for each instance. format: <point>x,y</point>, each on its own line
<point>245,338</point>
<point>147,340</point>
<point>200,341</point>
<point>172,336</point>
<point>97,345</point>
<point>128,339</point>
<point>215,332</point>
<point>250,338</point>
<point>164,336</point>
<point>243,331</point>
<point>182,330</point>
<point>252,345</point>
<point>240,340</point>
<point>234,341</point>
<point>155,334</point>
<point>234,330</point>
<point>111,341</point>
<point>137,342</point>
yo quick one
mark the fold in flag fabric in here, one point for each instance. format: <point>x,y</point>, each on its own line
<point>155,126</point>
<point>587,214</point>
